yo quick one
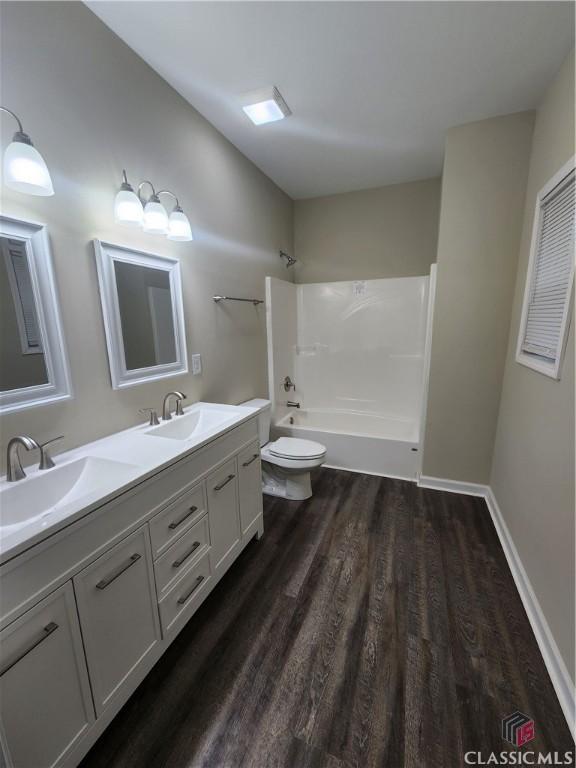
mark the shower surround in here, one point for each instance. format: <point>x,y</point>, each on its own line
<point>358,354</point>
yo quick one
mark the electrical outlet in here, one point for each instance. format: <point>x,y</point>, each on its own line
<point>196,364</point>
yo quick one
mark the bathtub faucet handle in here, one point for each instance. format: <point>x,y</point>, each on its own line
<point>289,384</point>
<point>290,404</point>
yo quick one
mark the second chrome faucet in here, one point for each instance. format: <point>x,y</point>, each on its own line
<point>166,415</point>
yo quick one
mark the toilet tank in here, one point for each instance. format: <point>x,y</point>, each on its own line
<point>264,415</point>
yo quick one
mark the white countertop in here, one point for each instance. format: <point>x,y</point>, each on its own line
<point>95,473</point>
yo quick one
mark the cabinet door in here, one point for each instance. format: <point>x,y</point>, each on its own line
<point>250,485</point>
<point>46,702</point>
<point>222,490</point>
<point>119,616</point>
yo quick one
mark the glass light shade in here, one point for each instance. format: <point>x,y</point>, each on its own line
<point>25,170</point>
<point>128,208</point>
<point>179,227</point>
<point>155,217</point>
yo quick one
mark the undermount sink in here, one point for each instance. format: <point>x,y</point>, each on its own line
<point>193,424</point>
<point>26,501</point>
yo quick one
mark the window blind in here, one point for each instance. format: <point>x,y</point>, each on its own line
<point>552,272</point>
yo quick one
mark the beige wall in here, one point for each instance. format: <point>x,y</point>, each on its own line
<point>93,107</point>
<point>533,469</point>
<point>385,232</point>
<point>483,188</point>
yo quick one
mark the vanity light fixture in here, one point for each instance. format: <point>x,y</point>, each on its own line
<point>265,105</point>
<point>24,167</point>
<point>133,209</point>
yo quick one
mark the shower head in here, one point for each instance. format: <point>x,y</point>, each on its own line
<point>290,260</point>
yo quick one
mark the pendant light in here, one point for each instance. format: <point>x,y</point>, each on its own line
<point>24,167</point>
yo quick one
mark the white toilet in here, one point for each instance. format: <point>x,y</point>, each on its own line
<point>286,462</point>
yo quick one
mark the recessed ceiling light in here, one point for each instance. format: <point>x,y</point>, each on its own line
<point>265,105</point>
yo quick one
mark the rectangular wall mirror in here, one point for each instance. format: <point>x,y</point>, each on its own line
<point>33,362</point>
<point>143,314</point>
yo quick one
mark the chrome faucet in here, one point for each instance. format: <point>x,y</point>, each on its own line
<point>14,466</point>
<point>166,415</point>
<point>290,404</point>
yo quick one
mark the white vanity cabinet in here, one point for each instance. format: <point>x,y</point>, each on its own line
<point>46,702</point>
<point>116,599</point>
<point>87,612</point>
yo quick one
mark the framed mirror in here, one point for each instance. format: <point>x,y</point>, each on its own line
<point>33,362</point>
<point>143,314</point>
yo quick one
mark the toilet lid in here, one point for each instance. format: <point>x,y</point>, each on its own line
<point>294,448</point>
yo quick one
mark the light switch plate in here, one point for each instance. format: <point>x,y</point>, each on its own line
<point>196,364</point>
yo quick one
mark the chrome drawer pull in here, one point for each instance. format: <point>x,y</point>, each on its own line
<point>46,632</point>
<point>193,548</point>
<point>118,572</point>
<point>247,463</point>
<point>225,482</point>
<point>176,523</point>
<point>188,594</point>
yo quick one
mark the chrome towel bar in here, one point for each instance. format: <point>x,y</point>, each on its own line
<point>235,298</point>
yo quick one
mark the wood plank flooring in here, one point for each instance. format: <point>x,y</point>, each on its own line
<point>376,624</point>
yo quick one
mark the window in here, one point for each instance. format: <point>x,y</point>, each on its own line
<point>548,294</point>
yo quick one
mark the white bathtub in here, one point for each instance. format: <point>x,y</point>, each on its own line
<point>358,441</point>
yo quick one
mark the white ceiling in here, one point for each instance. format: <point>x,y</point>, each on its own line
<point>373,86</point>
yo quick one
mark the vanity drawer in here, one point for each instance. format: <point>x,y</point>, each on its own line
<point>178,605</point>
<point>176,561</point>
<point>167,526</point>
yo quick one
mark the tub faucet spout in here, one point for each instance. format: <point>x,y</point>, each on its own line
<point>290,404</point>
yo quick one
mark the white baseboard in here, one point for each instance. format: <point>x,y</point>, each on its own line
<point>454,486</point>
<point>559,675</point>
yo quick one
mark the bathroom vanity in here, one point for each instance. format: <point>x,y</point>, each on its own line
<point>105,558</point>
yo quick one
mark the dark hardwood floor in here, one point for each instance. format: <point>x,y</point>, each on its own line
<point>376,624</point>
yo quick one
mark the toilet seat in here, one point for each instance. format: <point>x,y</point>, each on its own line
<point>296,449</point>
